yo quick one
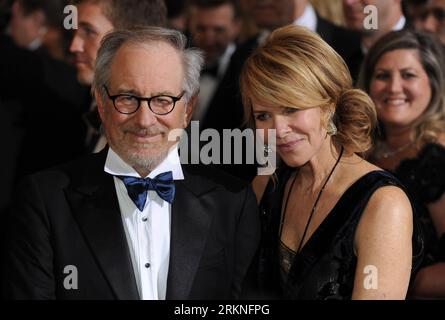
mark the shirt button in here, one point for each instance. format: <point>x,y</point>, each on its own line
<point>147,265</point>
<point>144,219</point>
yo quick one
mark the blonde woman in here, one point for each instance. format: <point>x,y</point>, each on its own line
<point>334,225</point>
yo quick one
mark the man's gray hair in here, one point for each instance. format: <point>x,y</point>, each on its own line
<point>192,58</point>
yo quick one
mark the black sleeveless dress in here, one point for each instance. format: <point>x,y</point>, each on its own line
<point>325,267</point>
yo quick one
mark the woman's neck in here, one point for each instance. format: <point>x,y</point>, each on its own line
<point>314,173</point>
<point>397,137</point>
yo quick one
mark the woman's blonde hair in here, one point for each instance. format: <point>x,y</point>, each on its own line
<point>296,68</point>
<point>431,122</point>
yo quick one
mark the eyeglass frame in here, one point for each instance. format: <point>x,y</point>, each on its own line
<point>140,99</point>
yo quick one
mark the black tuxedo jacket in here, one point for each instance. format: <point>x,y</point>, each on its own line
<point>69,216</point>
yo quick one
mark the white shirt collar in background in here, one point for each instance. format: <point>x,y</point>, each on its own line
<point>308,19</point>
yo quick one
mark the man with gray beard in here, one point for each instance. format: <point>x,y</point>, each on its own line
<point>131,222</point>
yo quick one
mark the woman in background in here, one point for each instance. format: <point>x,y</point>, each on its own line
<point>404,74</point>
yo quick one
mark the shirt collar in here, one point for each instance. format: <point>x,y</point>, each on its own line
<point>308,19</point>
<point>32,46</point>
<point>224,60</point>
<point>35,44</point>
<point>262,36</point>
<point>400,24</point>
<point>114,165</point>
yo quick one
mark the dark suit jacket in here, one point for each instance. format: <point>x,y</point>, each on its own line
<point>52,101</point>
<point>70,216</point>
<point>40,107</point>
<point>11,136</point>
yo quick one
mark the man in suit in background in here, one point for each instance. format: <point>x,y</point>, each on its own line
<point>95,19</point>
<point>389,17</point>
<point>131,220</point>
<point>40,96</point>
<point>30,21</point>
<point>214,27</point>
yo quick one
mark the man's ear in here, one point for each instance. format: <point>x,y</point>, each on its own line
<point>190,107</point>
<point>100,104</point>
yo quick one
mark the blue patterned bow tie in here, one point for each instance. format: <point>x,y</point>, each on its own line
<point>137,188</point>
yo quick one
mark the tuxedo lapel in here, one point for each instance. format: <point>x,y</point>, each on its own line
<point>190,225</point>
<point>96,209</point>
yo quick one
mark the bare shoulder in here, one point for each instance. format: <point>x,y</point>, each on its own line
<point>383,239</point>
<point>390,198</point>
<point>388,209</point>
<point>385,200</point>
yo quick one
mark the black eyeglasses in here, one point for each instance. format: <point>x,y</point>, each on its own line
<point>128,104</point>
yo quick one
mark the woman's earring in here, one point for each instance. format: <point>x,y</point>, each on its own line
<point>332,128</point>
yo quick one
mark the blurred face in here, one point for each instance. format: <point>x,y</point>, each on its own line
<point>354,12</point>
<point>431,18</point>
<point>141,138</point>
<point>415,14</point>
<point>92,27</point>
<point>400,88</point>
<point>300,134</point>
<point>26,28</point>
<point>213,29</point>
<point>271,14</point>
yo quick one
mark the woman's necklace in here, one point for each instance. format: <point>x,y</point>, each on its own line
<point>313,207</point>
<point>385,152</point>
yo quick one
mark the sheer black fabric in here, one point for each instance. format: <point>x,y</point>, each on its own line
<point>424,179</point>
<point>325,267</point>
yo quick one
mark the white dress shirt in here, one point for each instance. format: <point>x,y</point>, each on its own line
<point>147,232</point>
